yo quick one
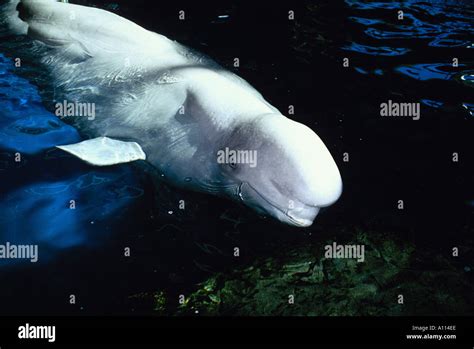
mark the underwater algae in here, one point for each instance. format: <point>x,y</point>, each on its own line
<point>302,282</point>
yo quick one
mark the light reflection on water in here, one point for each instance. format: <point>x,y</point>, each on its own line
<point>41,201</point>
<point>35,205</point>
<point>421,46</point>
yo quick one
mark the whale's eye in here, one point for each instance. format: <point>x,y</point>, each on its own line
<point>233,165</point>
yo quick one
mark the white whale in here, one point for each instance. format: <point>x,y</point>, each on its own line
<point>158,101</point>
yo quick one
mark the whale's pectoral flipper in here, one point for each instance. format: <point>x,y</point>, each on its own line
<point>105,151</point>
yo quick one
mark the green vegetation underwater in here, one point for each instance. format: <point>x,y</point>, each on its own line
<point>129,247</point>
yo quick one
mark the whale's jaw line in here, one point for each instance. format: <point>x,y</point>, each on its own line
<point>303,222</point>
<point>295,218</point>
<point>288,216</point>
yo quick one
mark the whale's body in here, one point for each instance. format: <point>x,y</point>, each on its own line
<point>159,101</point>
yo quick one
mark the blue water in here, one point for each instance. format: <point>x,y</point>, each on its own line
<point>115,207</point>
<point>429,30</point>
<point>39,182</point>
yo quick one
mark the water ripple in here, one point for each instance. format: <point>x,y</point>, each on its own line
<point>427,71</point>
<point>376,51</point>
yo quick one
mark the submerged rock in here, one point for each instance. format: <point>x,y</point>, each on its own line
<point>303,282</point>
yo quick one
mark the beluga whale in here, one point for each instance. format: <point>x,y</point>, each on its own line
<point>200,126</point>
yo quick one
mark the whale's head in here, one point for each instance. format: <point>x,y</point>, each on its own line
<point>280,168</point>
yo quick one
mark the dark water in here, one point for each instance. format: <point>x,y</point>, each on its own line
<point>297,63</point>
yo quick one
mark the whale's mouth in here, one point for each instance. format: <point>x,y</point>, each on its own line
<point>302,216</point>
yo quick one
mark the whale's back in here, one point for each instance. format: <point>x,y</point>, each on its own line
<point>95,56</point>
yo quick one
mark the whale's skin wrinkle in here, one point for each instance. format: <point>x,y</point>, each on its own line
<point>179,105</point>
